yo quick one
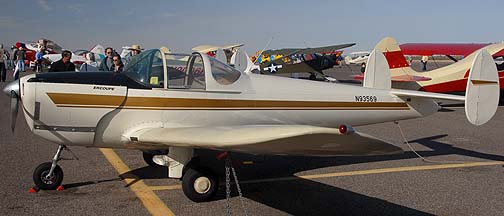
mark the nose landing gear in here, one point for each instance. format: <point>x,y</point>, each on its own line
<point>49,175</point>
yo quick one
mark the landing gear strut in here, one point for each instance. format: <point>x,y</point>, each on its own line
<point>48,176</point>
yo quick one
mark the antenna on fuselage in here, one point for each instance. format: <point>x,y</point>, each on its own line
<point>260,53</point>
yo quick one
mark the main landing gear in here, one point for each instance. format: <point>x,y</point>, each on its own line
<point>199,183</point>
<point>48,176</point>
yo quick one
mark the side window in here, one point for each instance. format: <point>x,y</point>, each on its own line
<point>156,79</point>
<point>176,66</point>
<point>223,73</point>
<point>185,72</point>
<point>195,78</point>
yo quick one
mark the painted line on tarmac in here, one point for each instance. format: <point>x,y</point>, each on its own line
<point>354,173</point>
<point>149,199</point>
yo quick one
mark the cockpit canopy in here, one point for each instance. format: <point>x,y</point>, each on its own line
<point>158,69</point>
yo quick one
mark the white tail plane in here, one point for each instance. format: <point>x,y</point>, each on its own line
<point>482,92</point>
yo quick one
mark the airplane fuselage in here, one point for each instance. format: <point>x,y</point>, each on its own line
<point>97,115</point>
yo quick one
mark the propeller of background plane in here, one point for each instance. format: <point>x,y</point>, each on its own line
<point>12,90</point>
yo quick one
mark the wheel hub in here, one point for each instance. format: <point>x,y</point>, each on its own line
<point>202,185</point>
<point>46,178</point>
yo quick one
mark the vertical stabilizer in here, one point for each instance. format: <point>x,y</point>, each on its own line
<point>482,92</point>
<point>392,52</point>
<point>377,73</point>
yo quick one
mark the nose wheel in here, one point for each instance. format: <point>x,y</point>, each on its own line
<point>43,178</point>
<point>48,175</point>
<point>148,157</point>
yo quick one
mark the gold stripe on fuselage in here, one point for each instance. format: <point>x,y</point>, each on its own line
<point>157,103</point>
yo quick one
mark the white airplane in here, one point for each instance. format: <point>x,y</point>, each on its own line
<point>357,57</point>
<point>151,106</point>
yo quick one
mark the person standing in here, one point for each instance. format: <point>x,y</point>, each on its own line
<point>64,63</point>
<point>107,64</point>
<point>3,59</point>
<point>424,62</point>
<point>90,64</point>
<point>38,59</point>
<point>135,50</point>
<point>12,56</point>
<point>20,56</point>
<point>363,67</point>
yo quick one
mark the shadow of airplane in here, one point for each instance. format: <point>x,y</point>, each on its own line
<point>80,184</point>
<point>307,197</point>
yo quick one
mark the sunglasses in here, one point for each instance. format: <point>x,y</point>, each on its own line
<point>108,52</point>
<point>116,60</point>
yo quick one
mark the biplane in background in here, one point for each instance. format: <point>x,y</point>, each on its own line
<point>357,57</point>
<point>298,60</point>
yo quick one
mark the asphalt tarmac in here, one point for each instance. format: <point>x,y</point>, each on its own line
<point>463,176</point>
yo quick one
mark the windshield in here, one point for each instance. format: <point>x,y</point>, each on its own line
<point>146,69</point>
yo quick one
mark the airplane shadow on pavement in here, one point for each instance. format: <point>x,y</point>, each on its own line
<point>306,197</point>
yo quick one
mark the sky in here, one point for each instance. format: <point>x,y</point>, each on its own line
<point>181,25</point>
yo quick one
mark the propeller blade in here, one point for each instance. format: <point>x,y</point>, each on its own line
<point>14,106</point>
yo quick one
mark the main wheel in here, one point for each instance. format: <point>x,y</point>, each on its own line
<point>45,182</point>
<point>313,77</point>
<point>199,185</point>
<point>148,155</point>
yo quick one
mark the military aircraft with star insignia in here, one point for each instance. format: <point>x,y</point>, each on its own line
<point>296,60</point>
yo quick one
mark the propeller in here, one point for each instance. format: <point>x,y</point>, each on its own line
<point>14,109</point>
<point>12,90</point>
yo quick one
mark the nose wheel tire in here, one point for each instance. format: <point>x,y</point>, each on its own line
<point>45,182</point>
<point>148,155</point>
<point>199,185</point>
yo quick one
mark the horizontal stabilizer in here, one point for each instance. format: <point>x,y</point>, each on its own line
<point>410,93</point>
<point>401,78</point>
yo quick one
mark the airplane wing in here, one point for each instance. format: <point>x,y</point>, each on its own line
<point>429,49</point>
<point>400,78</point>
<point>292,51</point>
<point>268,139</point>
<point>205,48</point>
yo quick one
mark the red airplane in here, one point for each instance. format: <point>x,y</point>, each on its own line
<point>448,79</point>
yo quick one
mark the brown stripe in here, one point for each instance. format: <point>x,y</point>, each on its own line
<point>86,99</point>
<point>106,101</point>
<point>483,82</point>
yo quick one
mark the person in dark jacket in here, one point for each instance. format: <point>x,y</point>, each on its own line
<point>118,65</point>
<point>107,64</point>
<point>64,63</point>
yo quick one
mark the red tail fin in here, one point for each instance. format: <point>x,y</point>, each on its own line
<point>392,52</point>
